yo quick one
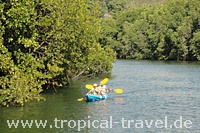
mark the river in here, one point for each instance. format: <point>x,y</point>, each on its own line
<point>157,97</point>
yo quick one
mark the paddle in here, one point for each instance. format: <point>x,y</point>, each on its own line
<point>118,90</point>
<point>88,86</point>
<point>104,81</point>
<point>80,99</point>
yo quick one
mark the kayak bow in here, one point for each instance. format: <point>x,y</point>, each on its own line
<point>91,97</point>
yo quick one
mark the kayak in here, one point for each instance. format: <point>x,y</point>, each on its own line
<point>91,97</point>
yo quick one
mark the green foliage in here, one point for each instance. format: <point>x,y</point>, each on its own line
<point>167,31</point>
<point>115,7</point>
<point>19,88</point>
<point>99,60</point>
<point>20,80</point>
<point>47,43</point>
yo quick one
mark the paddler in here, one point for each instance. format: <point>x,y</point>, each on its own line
<point>94,90</point>
<point>103,89</point>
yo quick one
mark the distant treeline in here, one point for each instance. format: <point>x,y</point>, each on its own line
<point>45,43</point>
<point>156,30</point>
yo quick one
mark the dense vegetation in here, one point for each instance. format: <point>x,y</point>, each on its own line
<point>152,29</point>
<point>48,43</point>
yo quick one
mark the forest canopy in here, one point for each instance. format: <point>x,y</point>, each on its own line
<point>152,29</point>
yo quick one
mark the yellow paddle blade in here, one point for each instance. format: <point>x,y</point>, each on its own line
<point>88,86</point>
<point>118,90</point>
<point>104,81</point>
<point>80,99</point>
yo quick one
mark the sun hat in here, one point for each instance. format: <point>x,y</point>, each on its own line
<point>95,85</point>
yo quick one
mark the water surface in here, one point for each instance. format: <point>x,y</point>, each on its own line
<point>153,90</point>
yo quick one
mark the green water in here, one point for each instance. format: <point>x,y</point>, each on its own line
<point>153,91</point>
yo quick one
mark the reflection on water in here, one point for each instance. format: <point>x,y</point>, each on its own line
<point>119,100</point>
<point>152,91</point>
